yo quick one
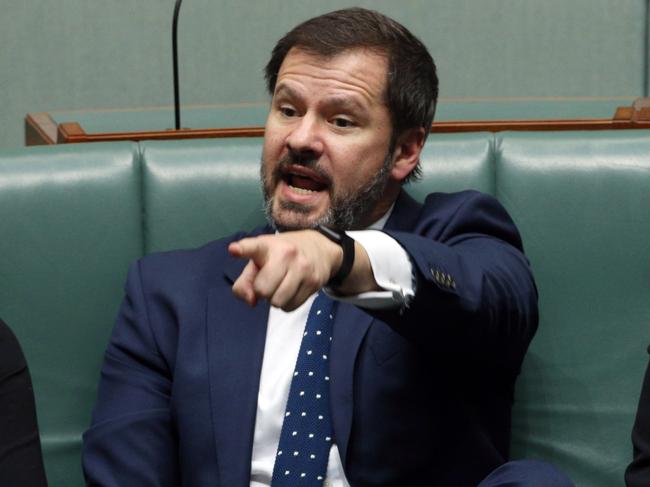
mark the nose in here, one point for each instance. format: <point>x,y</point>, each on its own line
<point>305,137</point>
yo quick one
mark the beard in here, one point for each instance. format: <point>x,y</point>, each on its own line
<point>348,210</point>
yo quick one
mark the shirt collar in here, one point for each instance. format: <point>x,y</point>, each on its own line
<point>379,224</point>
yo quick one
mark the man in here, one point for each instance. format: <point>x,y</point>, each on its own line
<point>201,383</point>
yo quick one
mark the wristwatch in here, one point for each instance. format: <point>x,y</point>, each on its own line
<point>347,244</point>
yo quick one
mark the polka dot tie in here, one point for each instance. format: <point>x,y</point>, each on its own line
<point>306,436</point>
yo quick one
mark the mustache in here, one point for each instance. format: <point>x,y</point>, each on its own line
<point>312,163</point>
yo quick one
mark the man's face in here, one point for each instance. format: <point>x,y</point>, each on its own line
<point>326,147</point>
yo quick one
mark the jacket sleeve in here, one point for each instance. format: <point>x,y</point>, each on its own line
<point>131,439</point>
<point>474,284</point>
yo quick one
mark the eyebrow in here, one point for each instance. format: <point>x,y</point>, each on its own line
<point>345,102</point>
<point>284,90</point>
<point>341,102</point>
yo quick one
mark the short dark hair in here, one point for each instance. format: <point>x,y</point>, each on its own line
<point>412,82</point>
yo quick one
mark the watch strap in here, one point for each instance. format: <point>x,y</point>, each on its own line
<point>347,244</point>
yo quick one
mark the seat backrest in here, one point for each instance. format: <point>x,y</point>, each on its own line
<point>454,162</point>
<point>197,191</point>
<point>582,204</point>
<point>69,224</point>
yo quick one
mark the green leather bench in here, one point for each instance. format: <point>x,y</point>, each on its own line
<point>72,218</point>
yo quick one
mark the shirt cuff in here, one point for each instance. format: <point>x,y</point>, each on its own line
<point>391,267</point>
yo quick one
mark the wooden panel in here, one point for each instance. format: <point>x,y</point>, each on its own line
<point>38,128</point>
<point>70,133</point>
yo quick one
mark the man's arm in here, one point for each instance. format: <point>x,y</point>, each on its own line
<point>476,295</point>
<point>130,441</point>
<point>474,284</point>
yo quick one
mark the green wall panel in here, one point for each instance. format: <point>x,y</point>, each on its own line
<point>84,55</point>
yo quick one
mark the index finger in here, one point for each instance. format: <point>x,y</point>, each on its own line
<point>250,248</point>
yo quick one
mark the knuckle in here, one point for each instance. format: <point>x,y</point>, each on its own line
<point>305,266</point>
<point>290,251</point>
<point>260,289</point>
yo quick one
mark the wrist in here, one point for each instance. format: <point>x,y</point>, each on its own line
<point>345,255</point>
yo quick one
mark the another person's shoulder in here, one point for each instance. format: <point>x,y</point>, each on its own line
<point>21,462</point>
<point>11,356</point>
<point>637,473</point>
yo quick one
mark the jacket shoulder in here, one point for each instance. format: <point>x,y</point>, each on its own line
<point>200,266</point>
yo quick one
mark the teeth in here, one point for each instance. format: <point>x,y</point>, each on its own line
<point>301,190</point>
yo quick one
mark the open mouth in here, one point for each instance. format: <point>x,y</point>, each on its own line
<point>304,181</point>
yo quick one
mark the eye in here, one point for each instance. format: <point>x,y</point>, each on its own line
<point>342,122</point>
<point>287,111</point>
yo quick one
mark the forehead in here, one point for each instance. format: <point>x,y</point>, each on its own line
<point>356,72</point>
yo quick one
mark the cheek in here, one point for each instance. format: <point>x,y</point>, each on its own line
<point>271,154</point>
<point>268,148</point>
<point>272,141</point>
<point>354,167</point>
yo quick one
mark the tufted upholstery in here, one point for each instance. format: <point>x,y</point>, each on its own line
<point>73,217</point>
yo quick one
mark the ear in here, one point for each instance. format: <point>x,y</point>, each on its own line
<point>407,153</point>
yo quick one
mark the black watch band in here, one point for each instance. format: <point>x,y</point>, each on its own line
<point>347,244</point>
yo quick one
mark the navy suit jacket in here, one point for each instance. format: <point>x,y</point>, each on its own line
<point>420,396</point>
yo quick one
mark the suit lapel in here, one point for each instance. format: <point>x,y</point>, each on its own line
<point>350,327</point>
<point>236,336</point>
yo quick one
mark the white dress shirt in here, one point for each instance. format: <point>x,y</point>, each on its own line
<point>392,269</point>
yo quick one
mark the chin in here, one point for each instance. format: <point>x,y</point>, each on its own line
<point>288,220</point>
<point>297,222</point>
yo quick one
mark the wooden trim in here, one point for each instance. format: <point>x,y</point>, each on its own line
<point>40,129</point>
<point>70,132</point>
<point>624,113</point>
<point>537,125</point>
<point>73,133</point>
